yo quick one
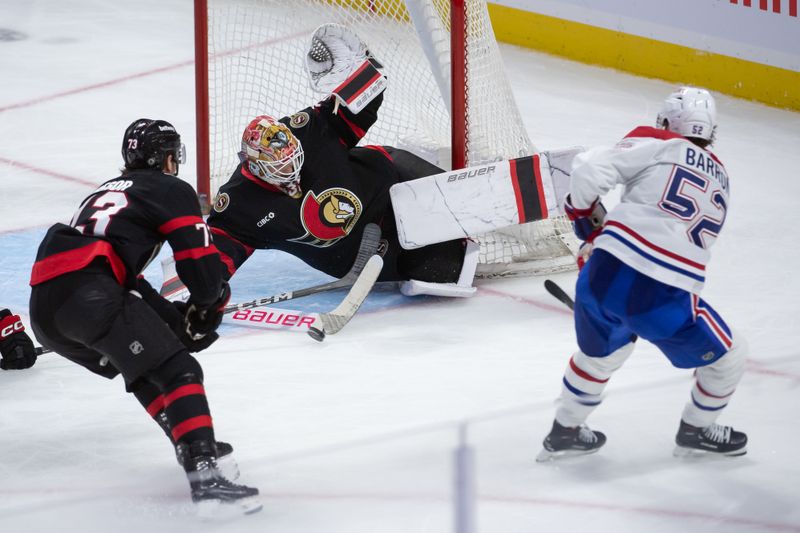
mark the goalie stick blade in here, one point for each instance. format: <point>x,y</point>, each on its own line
<point>559,293</point>
<point>335,320</point>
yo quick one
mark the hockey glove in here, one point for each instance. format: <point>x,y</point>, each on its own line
<point>586,249</point>
<point>585,222</point>
<point>182,331</point>
<point>334,54</point>
<point>172,313</point>
<point>16,346</point>
<point>200,321</point>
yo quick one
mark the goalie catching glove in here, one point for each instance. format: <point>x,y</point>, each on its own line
<point>339,63</point>
<point>16,346</point>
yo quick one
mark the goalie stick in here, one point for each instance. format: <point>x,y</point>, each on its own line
<point>369,245</point>
<point>333,321</point>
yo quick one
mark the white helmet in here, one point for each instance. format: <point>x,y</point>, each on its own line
<point>690,112</point>
<point>273,153</point>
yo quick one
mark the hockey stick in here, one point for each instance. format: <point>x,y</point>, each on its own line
<point>334,321</point>
<point>559,294</point>
<point>369,245</point>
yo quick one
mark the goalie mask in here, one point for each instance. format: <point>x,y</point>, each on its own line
<point>147,143</point>
<point>273,153</point>
<point>690,112</point>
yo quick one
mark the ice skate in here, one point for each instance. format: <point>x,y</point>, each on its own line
<point>214,495</point>
<point>714,439</point>
<point>570,442</point>
<point>226,464</point>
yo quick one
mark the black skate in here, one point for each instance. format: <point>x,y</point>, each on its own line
<point>569,442</point>
<point>226,464</point>
<point>214,495</point>
<point>714,439</point>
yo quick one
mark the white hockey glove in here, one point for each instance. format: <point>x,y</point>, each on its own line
<point>339,63</point>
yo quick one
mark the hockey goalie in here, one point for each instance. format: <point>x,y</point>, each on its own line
<point>302,185</point>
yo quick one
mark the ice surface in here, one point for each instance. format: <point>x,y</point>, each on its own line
<point>357,434</point>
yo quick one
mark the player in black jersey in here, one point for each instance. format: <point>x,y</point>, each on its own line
<point>90,304</point>
<point>304,187</point>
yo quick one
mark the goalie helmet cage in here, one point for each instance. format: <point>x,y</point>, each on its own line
<point>250,61</point>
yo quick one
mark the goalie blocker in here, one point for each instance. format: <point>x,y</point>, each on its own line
<point>476,200</point>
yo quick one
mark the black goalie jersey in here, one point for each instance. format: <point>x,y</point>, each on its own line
<point>343,188</point>
<point>122,226</point>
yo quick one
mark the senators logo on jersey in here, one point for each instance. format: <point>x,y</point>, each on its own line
<point>329,216</point>
<point>222,202</point>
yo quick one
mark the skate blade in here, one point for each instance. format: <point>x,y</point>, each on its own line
<point>689,453</point>
<point>546,455</point>
<point>228,467</point>
<point>222,510</point>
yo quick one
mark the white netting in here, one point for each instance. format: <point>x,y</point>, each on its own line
<point>256,66</point>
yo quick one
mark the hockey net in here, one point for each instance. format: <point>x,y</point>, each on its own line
<point>255,63</point>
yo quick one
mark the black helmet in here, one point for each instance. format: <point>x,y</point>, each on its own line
<point>147,143</point>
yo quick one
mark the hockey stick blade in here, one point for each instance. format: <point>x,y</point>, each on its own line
<point>333,321</point>
<point>369,245</point>
<point>559,294</point>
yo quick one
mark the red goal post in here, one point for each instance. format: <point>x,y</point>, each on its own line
<point>441,59</point>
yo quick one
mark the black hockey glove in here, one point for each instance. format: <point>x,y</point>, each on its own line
<point>15,345</point>
<point>173,313</point>
<point>200,321</point>
<point>181,330</point>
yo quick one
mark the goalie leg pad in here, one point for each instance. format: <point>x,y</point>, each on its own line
<point>462,289</point>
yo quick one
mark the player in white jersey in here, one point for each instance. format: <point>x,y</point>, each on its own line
<point>644,269</point>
